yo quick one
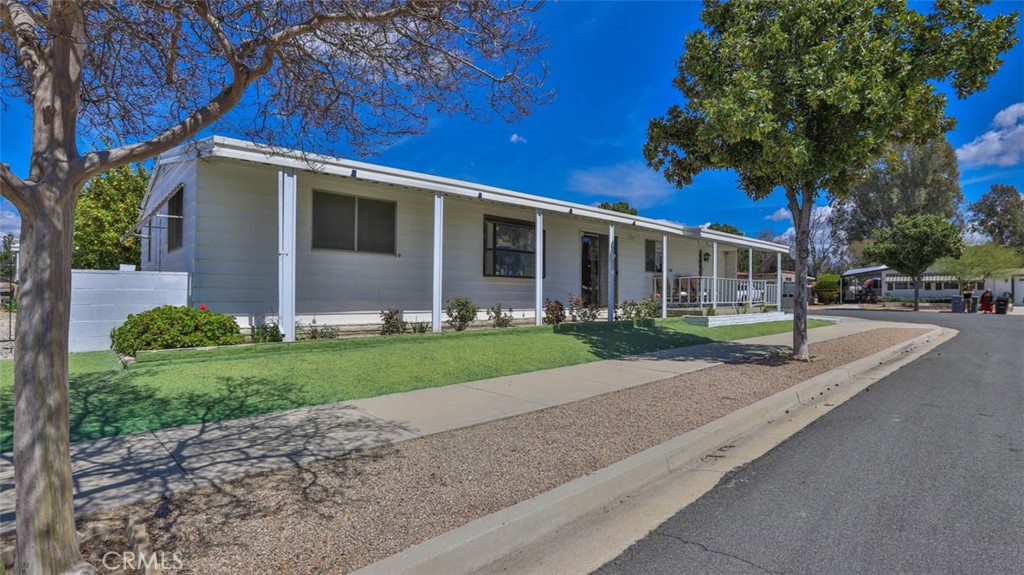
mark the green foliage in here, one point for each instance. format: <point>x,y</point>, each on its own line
<point>648,308</point>
<point>554,312</point>
<point>726,228</point>
<point>622,207</point>
<point>911,244</point>
<point>7,257</point>
<point>827,288</point>
<point>269,332</point>
<point>580,310</point>
<point>978,263</point>
<point>910,180</point>
<point>627,310</point>
<point>11,305</point>
<point>498,318</point>
<point>391,322</point>
<point>420,327</point>
<point>461,312</point>
<point>107,209</point>
<point>1000,214</point>
<point>710,310</point>
<point>313,331</point>
<point>170,327</point>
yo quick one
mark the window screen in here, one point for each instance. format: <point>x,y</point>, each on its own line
<point>176,211</point>
<point>334,221</point>
<point>376,227</point>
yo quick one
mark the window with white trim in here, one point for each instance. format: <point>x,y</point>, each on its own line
<point>510,248</point>
<point>652,256</point>
<point>175,220</point>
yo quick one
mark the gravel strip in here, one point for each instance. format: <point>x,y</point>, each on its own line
<point>335,516</point>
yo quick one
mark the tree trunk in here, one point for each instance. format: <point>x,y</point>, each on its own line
<point>46,540</point>
<point>802,226</point>
<point>917,294</point>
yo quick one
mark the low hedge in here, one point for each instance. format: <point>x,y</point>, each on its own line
<point>171,327</point>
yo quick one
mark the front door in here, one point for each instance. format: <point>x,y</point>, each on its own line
<point>594,269</point>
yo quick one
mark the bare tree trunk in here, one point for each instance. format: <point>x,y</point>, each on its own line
<point>917,294</point>
<point>46,542</point>
<point>802,226</point>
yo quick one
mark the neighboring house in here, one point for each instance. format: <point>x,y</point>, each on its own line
<point>272,233</point>
<point>934,283</point>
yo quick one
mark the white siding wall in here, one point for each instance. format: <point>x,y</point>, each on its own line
<point>155,257</point>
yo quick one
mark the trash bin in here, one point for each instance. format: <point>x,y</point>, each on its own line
<point>958,304</point>
<point>974,305</point>
<point>1002,304</point>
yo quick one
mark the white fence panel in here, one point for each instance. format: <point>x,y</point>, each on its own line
<point>101,300</point>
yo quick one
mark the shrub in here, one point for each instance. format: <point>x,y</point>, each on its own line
<point>499,318</point>
<point>554,312</point>
<point>420,327</point>
<point>269,332</point>
<point>11,305</point>
<point>581,311</point>
<point>710,311</point>
<point>392,323</point>
<point>827,288</point>
<point>314,331</point>
<point>648,308</point>
<point>628,309</point>
<point>169,327</point>
<point>461,312</point>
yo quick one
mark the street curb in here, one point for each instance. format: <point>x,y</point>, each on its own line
<point>481,542</point>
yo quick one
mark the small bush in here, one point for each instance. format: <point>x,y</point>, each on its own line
<point>579,310</point>
<point>499,318</point>
<point>170,327</point>
<point>554,312</point>
<point>648,308</point>
<point>11,305</point>
<point>461,312</point>
<point>827,288</point>
<point>269,332</point>
<point>628,309</point>
<point>420,327</point>
<point>314,331</point>
<point>391,320</point>
<point>710,311</point>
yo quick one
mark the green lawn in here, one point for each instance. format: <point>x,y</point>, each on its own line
<point>166,389</point>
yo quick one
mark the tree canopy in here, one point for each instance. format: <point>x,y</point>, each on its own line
<point>913,243</point>
<point>107,210</point>
<point>622,207</point>
<point>806,95</point>
<point>980,262</point>
<point>1000,214</point>
<point>910,180</point>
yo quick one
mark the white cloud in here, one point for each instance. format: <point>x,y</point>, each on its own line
<point>779,215</point>
<point>1003,145</point>
<point>633,182</point>
<point>10,222</point>
<point>517,139</point>
<point>974,237</point>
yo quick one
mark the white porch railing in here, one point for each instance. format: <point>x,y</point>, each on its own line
<point>693,291</point>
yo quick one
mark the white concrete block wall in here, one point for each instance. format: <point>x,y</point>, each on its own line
<point>101,300</point>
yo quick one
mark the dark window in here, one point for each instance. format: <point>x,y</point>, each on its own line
<point>355,224</point>
<point>175,219</point>
<point>652,256</point>
<point>510,248</point>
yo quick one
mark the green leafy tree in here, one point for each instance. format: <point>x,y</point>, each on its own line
<point>726,228</point>
<point>1000,214</point>
<point>910,180</point>
<point>107,210</point>
<point>804,96</point>
<point>622,207</point>
<point>7,256</point>
<point>980,262</point>
<point>913,243</point>
<point>150,75</point>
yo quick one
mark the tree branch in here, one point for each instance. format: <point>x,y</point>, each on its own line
<point>20,22</point>
<point>202,8</point>
<point>14,188</point>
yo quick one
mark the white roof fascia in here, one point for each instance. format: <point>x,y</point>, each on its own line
<point>742,241</point>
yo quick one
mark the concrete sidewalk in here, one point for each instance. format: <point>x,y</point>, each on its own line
<point>120,470</point>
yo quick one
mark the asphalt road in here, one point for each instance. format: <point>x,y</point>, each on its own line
<point>921,473</point>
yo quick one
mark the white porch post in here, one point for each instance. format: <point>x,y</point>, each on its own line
<point>778,281</point>
<point>611,272</point>
<point>714,275</point>
<point>750,277</point>
<point>664,275</point>
<point>436,300</point>
<point>286,201</point>
<point>538,306</point>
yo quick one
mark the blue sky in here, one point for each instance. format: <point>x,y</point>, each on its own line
<point>612,64</point>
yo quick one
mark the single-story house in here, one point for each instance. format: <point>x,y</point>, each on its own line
<point>271,233</point>
<point>934,284</point>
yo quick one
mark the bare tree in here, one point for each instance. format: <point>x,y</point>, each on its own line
<point>151,74</point>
